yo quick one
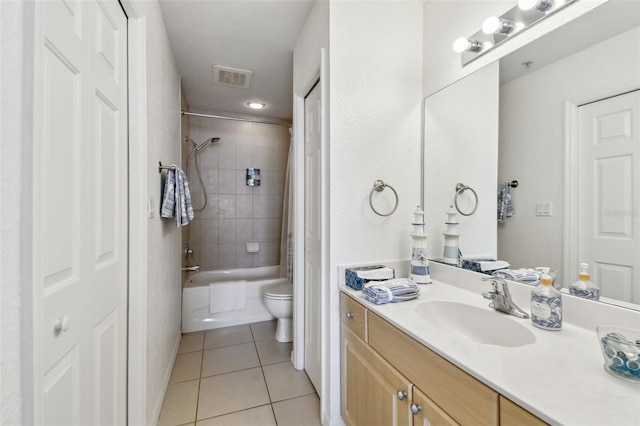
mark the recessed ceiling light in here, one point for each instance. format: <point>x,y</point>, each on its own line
<point>256,105</point>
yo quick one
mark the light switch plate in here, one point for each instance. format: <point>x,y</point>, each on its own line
<point>544,208</point>
<point>151,207</point>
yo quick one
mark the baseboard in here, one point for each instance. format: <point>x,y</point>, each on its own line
<point>165,380</point>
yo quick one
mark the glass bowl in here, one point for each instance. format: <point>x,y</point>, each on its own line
<point>621,351</point>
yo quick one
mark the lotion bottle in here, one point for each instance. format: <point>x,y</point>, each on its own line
<point>546,304</point>
<point>584,287</point>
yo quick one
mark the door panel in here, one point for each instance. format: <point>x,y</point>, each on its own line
<point>609,184</point>
<point>80,225</point>
<point>312,241</point>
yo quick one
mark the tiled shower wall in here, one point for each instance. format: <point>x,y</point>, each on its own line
<point>236,213</point>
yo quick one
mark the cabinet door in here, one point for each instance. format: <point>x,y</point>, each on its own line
<point>427,413</point>
<point>512,414</point>
<point>373,392</point>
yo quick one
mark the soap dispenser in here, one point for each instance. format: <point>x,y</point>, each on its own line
<point>584,287</point>
<point>546,304</point>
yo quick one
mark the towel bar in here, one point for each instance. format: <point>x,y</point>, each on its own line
<point>379,186</point>
<point>161,167</point>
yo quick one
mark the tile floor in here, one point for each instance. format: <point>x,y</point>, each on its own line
<point>238,376</point>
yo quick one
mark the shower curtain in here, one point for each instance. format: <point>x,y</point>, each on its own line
<point>286,240</point>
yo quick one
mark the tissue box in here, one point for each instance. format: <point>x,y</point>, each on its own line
<point>355,282</point>
<point>484,266</point>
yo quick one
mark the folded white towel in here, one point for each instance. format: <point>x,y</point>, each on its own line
<point>227,296</point>
<point>492,265</point>
<point>383,273</point>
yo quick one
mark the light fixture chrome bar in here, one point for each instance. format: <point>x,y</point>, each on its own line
<point>224,117</point>
<point>522,20</point>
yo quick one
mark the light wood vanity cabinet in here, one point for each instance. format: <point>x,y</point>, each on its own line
<point>386,374</point>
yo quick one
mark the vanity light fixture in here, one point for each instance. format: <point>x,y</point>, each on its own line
<point>540,5</point>
<point>463,44</point>
<point>495,25</point>
<point>256,104</point>
<point>497,29</point>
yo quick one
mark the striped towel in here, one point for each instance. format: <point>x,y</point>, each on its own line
<point>395,290</point>
<point>176,201</point>
<point>505,203</point>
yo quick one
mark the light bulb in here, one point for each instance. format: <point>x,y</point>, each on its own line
<point>541,5</point>
<point>461,44</point>
<point>491,25</point>
<point>255,105</point>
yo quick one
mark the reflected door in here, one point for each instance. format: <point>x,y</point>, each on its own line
<point>80,225</point>
<point>608,196</point>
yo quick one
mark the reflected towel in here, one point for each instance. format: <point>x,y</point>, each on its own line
<point>505,202</point>
<point>227,296</point>
<point>176,200</point>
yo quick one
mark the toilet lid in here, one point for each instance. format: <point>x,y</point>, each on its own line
<point>280,291</point>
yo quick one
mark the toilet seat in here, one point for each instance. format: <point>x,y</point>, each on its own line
<point>280,292</point>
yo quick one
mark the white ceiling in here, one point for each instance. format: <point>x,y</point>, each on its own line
<point>254,35</point>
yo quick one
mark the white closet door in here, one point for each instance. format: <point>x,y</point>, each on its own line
<point>80,217</point>
<point>609,200</point>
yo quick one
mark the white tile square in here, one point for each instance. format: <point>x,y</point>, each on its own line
<point>227,256</point>
<point>229,358</point>
<point>210,178</point>
<point>227,181</point>
<point>260,229</point>
<point>243,259</point>
<point>244,230</point>
<point>264,330</point>
<point>260,206</point>
<point>274,229</point>
<point>285,382</point>
<point>244,158</point>
<point>245,206</point>
<point>227,206</point>
<point>275,206</point>
<point>258,416</point>
<point>227,155</point>
<point>209,257</point>
<point>227,393</point>
<point>300,411</point>
<point>227,336</point>
<point>187,367</point>
<point>210,211</point>
<point>180,402</point>
<point>194,231</point>
<point>191,342</point>
<point>271,351</point>
<point>241,187</point>
<point>227,231</point>
<point>209,231</point>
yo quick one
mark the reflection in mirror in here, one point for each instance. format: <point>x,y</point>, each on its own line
<point>568,133</point>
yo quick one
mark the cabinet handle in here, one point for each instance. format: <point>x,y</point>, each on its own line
<point>416,408</point>
<point>401,394</point>
<point>349,315</point>
<point>61,324</point>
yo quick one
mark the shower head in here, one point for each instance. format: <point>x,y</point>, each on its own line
<point>205,143</point>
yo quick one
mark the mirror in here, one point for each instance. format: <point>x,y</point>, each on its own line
<point>547,89</point>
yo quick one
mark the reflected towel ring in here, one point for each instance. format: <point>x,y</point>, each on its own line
<point>460,188</point>
<point>379,186</point>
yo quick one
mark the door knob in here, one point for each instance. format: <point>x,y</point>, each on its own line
<point>401,394</point>
<point>416,408</point>
<point>62,323</point>
<point>349,315</point>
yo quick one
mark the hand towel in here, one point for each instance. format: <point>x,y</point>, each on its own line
<point>227,296</point>
<point>176,200</point>
<point>395,290</point>
<point>505,202</point>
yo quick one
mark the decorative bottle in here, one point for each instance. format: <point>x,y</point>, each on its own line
<point>419,261</point>
<point>584,287</point>
<point>546,304</point>
<point>451,235</point>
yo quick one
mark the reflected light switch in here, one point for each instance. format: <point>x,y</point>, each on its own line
<point>544,208</point>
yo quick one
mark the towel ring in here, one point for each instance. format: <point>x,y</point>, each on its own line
<point>379,186</point>
<point>460,188</point>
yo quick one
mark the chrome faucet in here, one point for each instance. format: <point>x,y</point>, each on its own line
<point>501,298</point>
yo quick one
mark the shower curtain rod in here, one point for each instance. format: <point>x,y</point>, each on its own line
<point>222,117</point>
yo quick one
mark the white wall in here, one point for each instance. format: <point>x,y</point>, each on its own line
<point>164,238</point>
<point>11,98</point>
<point>375,108</point>
<point>306,54</point>
<point>532,140</point>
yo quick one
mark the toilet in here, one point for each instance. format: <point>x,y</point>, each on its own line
<point>279,302</point>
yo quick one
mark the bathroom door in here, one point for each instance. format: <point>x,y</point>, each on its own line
<point>312,240</point>
<point>79,236</point>
<point>609,184</point>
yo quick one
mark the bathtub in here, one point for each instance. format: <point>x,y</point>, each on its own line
<point>195,298</point>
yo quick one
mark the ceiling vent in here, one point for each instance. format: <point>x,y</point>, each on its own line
<point>231,77</point>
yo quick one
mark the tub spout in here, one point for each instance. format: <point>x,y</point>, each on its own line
<point>192,268</point>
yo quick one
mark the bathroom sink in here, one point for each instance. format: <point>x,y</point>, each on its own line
<point>485,326</point>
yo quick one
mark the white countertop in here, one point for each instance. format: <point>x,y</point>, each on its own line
<point>560,378</point>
